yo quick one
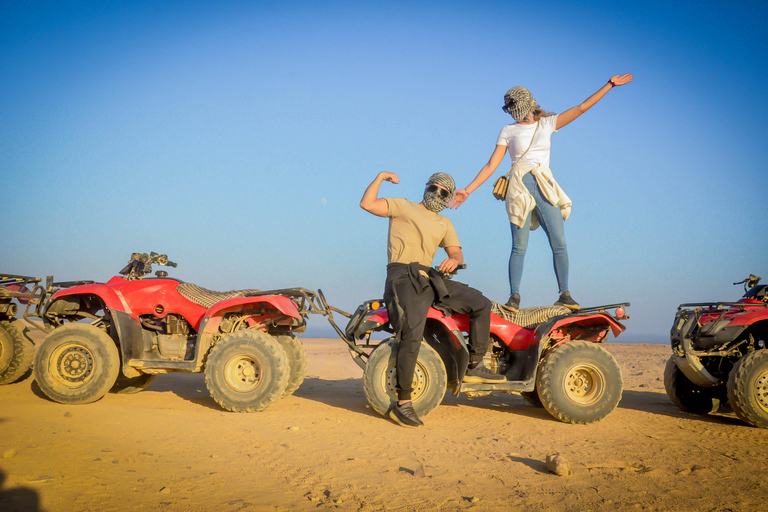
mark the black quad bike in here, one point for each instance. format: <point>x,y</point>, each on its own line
<point>17,349</point>
<point>719,356</point>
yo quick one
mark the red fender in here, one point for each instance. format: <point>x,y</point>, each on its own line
<point>449,321</point>
<point>593,320</point>
<point>102,291</point>
<point>281,303</point>
<point>263,306</point>
<point>381,316</point>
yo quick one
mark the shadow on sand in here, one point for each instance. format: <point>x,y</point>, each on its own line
<point>657,402</point>
<point>348,394</point>
<point>187,386</point>
<point>21,499</point>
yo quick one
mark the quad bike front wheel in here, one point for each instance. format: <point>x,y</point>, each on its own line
<point>688,396</point>
<point>16,351</point>
<point>380,379</point>
<point>76,364</point>
<point>128,386</point>
<point>246,371</point>
<point>748,388</point>
<point>579,382</point>
<point>297,361</point>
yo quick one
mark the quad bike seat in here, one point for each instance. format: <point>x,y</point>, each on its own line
<point>529,318</point>
<point>207,298</point>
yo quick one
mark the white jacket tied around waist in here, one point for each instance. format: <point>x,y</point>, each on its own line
<point>520,203</point>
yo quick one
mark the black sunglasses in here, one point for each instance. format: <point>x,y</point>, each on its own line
<point>431,187</point>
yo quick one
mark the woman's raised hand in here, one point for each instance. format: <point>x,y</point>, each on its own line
<point>459,197</point>
<point>621,79</point>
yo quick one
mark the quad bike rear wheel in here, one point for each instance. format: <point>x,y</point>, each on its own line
<point>246,371</point>
<point>129,386</point>
<point>297,361</point>
<point>380,380</point>
<point>579,382</point>
<point>688,396</point>
<point>16,351</point>
<point>76,364</point>
<point>748,388</point>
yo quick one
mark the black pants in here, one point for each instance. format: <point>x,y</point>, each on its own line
<point>414,302</point>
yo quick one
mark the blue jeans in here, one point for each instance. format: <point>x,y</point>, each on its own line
<point>551,221</point>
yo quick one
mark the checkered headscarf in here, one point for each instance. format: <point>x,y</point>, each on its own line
<point>519,102</point>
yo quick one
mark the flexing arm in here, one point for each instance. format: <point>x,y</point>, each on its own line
<point>371,202</point>
<point>454,259</point>
<point>572,113</point>
<point>488,169</point>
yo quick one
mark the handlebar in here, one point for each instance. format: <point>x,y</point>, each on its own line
<point>749,282</point>
<point>140,264</point>
<point>449,275</point>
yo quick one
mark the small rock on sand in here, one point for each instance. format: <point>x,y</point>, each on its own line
<point>557,464</point>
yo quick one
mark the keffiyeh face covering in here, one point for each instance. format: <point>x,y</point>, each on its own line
<point>435,198</point>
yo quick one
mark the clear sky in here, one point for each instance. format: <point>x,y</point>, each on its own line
<point>238,138</point>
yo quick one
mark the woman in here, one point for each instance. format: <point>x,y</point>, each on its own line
<point>533,196</point>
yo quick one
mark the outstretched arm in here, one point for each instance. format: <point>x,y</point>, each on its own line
<point>371,202</point>
<point>572,113</point>
<point>488,169</point>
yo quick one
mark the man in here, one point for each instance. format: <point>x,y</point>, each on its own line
<point>416,230</point>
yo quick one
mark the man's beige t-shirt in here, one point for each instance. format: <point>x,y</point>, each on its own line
<point>415,233</point>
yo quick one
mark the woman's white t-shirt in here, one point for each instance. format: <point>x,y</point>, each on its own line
<point>517,138</point>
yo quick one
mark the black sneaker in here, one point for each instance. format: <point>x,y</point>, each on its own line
<point>405,416</point>
<point>567,301</point>
<point>481,374</point>
<point>513,304</point>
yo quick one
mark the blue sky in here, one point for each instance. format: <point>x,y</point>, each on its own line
<point>238,137</point>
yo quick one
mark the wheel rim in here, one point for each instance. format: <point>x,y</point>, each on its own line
<point>243,373</point>
<point>72,364</point>
<point>420,381</point>
<point>761,391</point>
<point>584,384</point>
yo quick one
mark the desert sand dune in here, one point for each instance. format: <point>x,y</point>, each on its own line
<point>172,448</point>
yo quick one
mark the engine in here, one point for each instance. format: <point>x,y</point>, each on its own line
<point>172,336</point>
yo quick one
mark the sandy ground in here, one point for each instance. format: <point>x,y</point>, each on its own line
<point>171,448</point>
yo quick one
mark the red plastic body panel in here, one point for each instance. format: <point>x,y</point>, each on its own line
<point>142,297</point>
<point>520,338</point>
<point>738,316</point>
<point>148,296</point>
<point>449,321</point>
<point>749,317</point>
<point>283,304</point>
<point>512,335</point>
<point>594,320</point>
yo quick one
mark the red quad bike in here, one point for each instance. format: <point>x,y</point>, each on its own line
<point>117,336</point>
<point>551,355</point>
<point>719,356</point>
